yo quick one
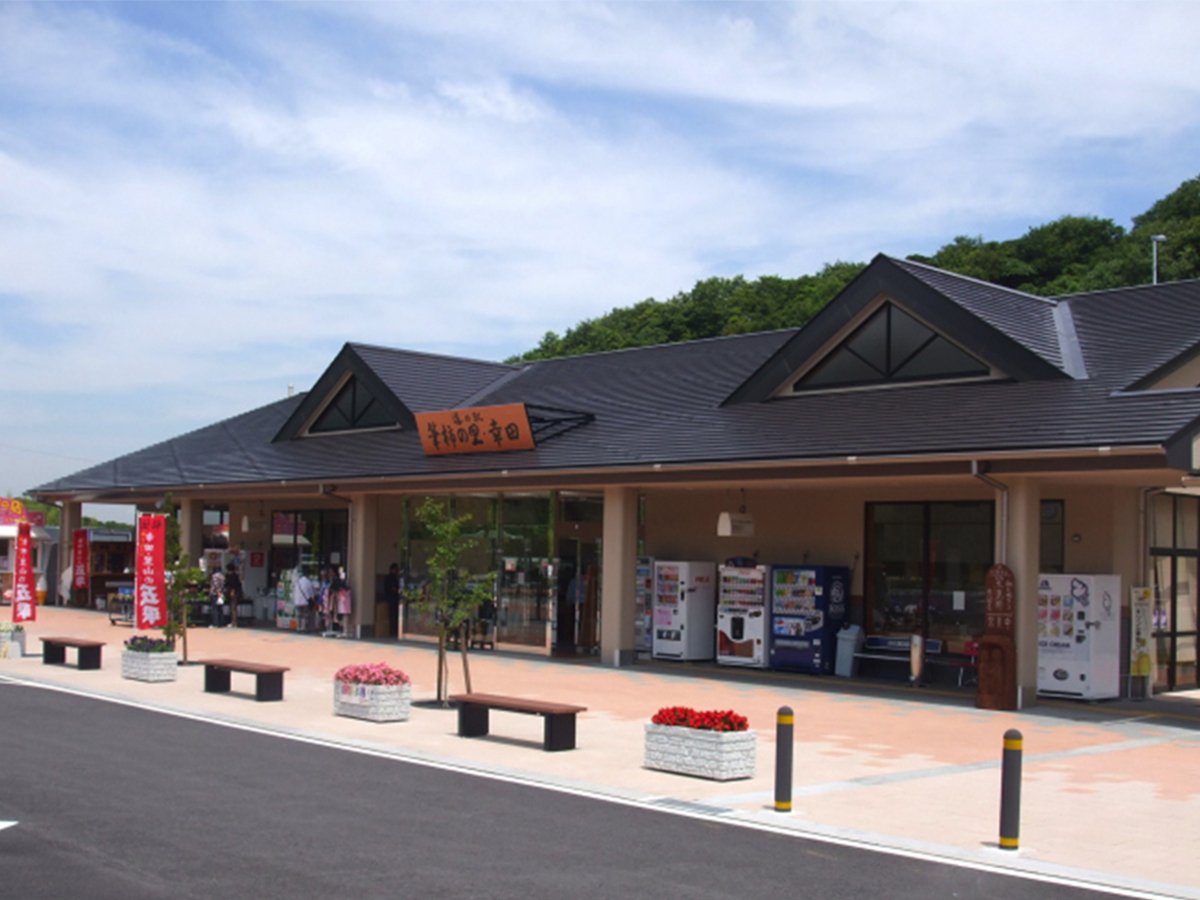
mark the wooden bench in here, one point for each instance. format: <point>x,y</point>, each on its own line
<point>268,680</point>
<point>559,733</point>
<point>54,651</point>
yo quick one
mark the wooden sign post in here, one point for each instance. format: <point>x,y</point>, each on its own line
<point>998,650</point>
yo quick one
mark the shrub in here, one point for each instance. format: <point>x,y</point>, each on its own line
<point>141,643</point>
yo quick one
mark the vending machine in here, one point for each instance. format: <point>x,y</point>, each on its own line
<point>643,604</point>
<point>1079,636</point>
<point>741,616</point>
<point>684,610</point>
<point>808,607</point>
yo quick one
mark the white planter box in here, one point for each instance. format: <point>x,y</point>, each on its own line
<point>717,755</point>
<point>374,702</point>
<point>138,666</point>
<point>12,644</point>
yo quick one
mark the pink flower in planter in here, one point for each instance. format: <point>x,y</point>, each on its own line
<point>379,673</point>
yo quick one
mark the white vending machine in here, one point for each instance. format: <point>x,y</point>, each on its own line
<point>741,616</point>
<point>684,610</point>
<point>1079,636</point>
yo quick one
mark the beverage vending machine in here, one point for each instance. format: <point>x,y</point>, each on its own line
<point>643,605</point>
<point>741,616</point>
<point>684,610</point>
<point>808,607</point>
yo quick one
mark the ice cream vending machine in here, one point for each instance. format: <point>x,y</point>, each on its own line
<point>741,616</point>
<point>808,607</point>
<point>684,610</point>
<point>1079,636</point>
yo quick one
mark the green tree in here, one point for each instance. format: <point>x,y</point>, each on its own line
<point>452,594</point>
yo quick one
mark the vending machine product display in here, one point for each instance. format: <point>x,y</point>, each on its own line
<point>684,610</point>
<point>643,603</point>
<point>808,607</point>
<point>741,616</point>
<point>1079,636</point>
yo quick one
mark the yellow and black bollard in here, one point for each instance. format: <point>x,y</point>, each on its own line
<point>784,720</point>
<point>1010,791</point>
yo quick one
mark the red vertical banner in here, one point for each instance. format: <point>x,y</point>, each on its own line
<point>24,587</point>
<point>80,559</point>
<point>150,588</point>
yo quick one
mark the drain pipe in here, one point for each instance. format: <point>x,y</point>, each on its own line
<point>978,472</point>
<point>1144,532</point>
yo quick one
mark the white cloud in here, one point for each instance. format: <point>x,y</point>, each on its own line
<point>200,204</point>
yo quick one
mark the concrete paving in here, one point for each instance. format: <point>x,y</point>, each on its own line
<point>1111,790</point>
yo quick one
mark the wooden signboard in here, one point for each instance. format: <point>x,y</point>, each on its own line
<point>997,649</point>
<point>480,429</point>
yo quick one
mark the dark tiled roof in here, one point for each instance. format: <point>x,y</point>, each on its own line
<point>664,404</point>
<point>1025,318</point>
<point>424,381</point>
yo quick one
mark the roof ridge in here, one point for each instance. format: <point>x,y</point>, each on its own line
<point>406,352</point>
<point>1053,301</point>
<point>1080,295</point>
<point>719,337</point>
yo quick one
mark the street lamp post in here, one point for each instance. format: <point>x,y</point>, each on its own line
<point>1155,240</point>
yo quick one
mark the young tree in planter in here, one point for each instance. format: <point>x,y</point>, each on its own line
<point>452,594</point>
<point>182,579</point>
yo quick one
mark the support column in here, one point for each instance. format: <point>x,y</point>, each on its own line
<point>617,579</point>
<point>71,519</point>
<point>191,528</point>
<point>1024,554</point>
<point>364,516</point>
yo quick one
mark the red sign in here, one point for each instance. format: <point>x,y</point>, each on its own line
<point>24,587</point>
<point>150,588</point>
<point>80,559</point>
<point>258,559</point>
<point>14,512</point>
<point>480,429</point>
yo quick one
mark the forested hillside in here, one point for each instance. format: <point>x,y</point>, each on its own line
<point>1071,254</point>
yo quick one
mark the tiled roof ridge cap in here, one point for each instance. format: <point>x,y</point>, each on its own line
<point>1084,295</point>
<point>407,352</point>
<point>707,340</point>
<point>1052,301</point>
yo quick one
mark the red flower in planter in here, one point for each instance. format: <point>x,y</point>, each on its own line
<point>710,720</point>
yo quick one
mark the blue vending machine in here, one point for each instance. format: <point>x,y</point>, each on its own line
<point>808,607</point>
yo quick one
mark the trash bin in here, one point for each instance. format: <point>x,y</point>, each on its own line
<point>849,642</point>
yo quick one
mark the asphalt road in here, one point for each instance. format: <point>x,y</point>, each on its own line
<point>123,803</point>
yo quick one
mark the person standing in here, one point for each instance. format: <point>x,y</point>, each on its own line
<point>303,592</point>
<point>216,598</point>
<point>233,591</point>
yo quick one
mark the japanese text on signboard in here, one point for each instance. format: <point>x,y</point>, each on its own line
<point>481,429</point>
<point>24,587</point>
<point>150,587</point>
<point>14,512</point>
<point>80,559</point>
<point>1001,594</point>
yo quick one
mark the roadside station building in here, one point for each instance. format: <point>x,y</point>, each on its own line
<point>922,427</point>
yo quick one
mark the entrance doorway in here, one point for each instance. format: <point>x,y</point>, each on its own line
<point>577,588</point>
<point>1174,538</point>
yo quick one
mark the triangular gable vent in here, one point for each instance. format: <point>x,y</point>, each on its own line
<point>353,407</point>
<point>890,347</point>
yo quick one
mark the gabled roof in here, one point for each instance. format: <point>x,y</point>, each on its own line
<point>1019,334</point>
<point>404,382</point>
<point>669,404</point>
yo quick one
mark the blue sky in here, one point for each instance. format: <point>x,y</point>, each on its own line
<point>199,203</point>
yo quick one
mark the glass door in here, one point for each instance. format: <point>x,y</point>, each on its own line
<point>1174,562</point>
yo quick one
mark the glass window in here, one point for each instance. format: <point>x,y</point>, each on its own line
<point>1161,525</point>
<point>1185,524</point>
<point>927,567</point>
<point>892,346</point>
<point>215,528</point>
<point>353,407</point>
<point>1053,537</point>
